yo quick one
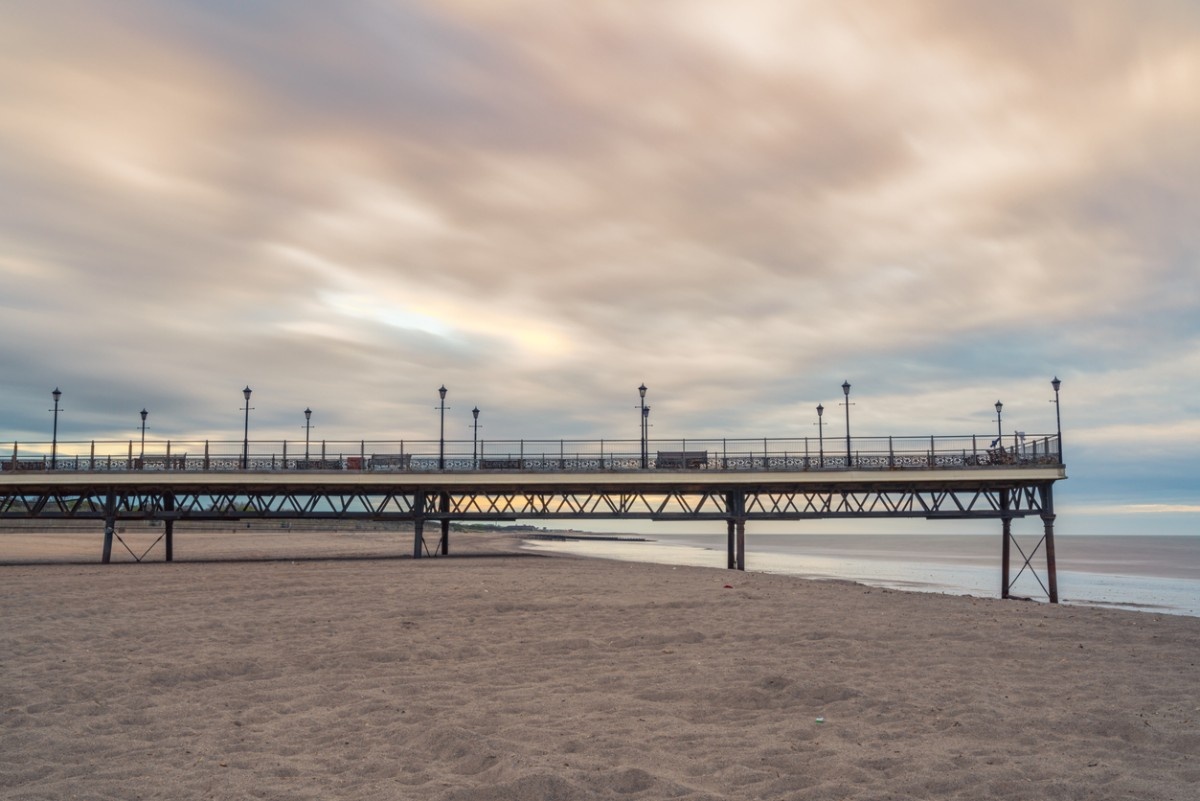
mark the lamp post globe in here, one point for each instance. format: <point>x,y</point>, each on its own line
<point>999,426</point>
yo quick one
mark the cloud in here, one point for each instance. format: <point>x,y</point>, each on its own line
<point>349,205</point>
<point>1146,508</point>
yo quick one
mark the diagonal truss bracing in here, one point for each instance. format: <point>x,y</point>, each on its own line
<point>758,505</point>
<point>770,503</point>
<point>207,505</point>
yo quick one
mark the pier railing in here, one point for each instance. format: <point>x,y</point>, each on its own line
<point>537,455</point>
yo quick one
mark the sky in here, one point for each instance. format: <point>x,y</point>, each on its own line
<point>542,205</point>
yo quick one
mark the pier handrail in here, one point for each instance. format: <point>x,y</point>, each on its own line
<point>536,455</point>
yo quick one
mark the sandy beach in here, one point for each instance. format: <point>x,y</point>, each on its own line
<point>493,674</point>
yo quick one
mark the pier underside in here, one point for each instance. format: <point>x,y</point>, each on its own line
<point>735,498</point>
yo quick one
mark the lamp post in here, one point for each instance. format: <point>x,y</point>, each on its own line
<point>821,434</point>
<point>56,394</point>
<point>999,427</point>
<point>144,414</point>
<point>246,430</point>
<point>645,419</point>
<point>1057,416</point>
<point>475,439</point>
<point>846,392</point>
<point>307,430</point>
<point>442,430</point>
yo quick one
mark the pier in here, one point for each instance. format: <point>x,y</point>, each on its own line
<point>431,483</point>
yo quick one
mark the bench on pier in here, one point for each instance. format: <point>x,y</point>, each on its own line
<point>160,463</point>
<point>681,460</point>
<point>24,466</point>
<point>501,464</point>
<point>318,464</point>
<point>390,461</point>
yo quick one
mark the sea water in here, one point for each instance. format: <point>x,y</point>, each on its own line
<point>1147,573</point>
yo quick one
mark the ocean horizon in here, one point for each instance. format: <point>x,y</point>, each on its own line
<point>1148,573</point>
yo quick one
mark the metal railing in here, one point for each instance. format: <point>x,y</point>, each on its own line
<point>537,455</point>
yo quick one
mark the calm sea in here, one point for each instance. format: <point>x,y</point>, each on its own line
<point>1146,573</point>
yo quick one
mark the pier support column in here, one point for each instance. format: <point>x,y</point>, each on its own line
<point>444,506</point>
<point>110,527</point>
<point>169,527</point>
<point>418,524</point>
<point>1047,491</point>
<point>735,505</point>
<point>1006,528</point>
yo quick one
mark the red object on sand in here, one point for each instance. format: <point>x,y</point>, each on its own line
<point>729,586</point>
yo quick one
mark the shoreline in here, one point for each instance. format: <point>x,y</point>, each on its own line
<point>1157,574</point>
<point>1163,580</point>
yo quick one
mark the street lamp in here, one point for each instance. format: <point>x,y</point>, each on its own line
<point>645,424</point>
<point>307,429</point>
<point>821,433</point>
<point>846,392</point>
<point>999,427</point>
<point>442,430</point>
<point>144,415</point>
<point>1057,416</point>
<point>54,436</point>
<point>246,430</point>
<point>475,439</point>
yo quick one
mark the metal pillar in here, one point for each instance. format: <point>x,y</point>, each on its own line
<point>54,437</point>
<point>820,435</point>
<point>442,430</point>
<point>307,431</point>
<point>645,417</point>
<point>1058,417</point>
<point>1006,522</point>
<point>110,526</point>
<point>418,537</point>
<point>1047,491</point>
<point>731,561</point>
<point>444,506</point>
<point>246,430</point>
<point>846,392</point>
<point>735,531</point>
<point>418,523</point>
<point>475,440</point>
<point>169,527</point>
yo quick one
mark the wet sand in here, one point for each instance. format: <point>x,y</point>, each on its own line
<point>494,674</point>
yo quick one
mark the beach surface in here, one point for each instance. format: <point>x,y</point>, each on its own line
<point>496,674</point>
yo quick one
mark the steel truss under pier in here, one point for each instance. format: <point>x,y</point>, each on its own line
<point>997,492</point>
